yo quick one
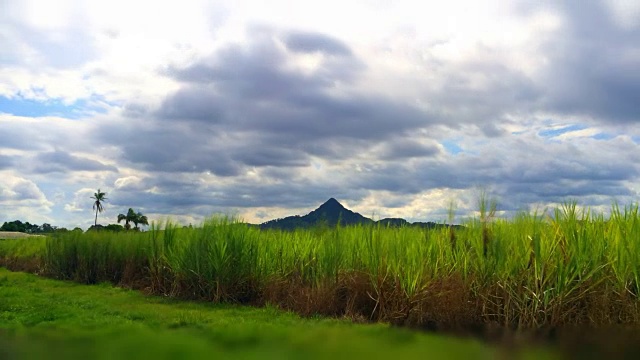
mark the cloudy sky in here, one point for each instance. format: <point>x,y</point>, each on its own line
<point>266,109</point>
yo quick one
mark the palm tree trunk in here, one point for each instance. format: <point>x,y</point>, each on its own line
<point>96,223</point>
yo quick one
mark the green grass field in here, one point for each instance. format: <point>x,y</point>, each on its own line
<point>43,318</point>
<point>570,268</point>
<point>536,276</point>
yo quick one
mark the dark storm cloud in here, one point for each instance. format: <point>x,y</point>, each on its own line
<point>183,195</point>
<point>223,139</point>
<point>194,103</point>
<point>195,147</point>
<point>300,193</point>
<point>189,194</point>
<point>481,92</point>
<point>253,155</point>
<point>415,177</point>
<point>589,70</point>
<point>251,87</point>
<point>179,193</point>
<point>307,42</point>
<point>59,161</point>
<point>394,177</point>
<point>593,65</point>
<point>522,171</point>
<point>21,133</point>
<point>245,106</point>
<point>564,188</point>
<point>135,110</point>
<point>407,148</point>
<point>297,119</point>
<point>172,148</point>
<point>15,136</point>
<point>256,70</point>
<point>6,161</point>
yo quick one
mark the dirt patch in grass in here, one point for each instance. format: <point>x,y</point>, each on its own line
<point>15,235</point>
<point>31,265</point>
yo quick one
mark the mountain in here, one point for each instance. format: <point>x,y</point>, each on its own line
<point>331,213</point>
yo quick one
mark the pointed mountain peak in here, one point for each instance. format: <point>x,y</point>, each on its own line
<point>332,203</point>
<point>333,212</point>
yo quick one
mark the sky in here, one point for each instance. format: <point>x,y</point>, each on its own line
<point>263,110</point>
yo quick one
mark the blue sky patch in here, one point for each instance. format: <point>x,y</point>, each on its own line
<point>603,136</point>
<point>559,131</point>
<point>34,108</point>
<point>451,147</point>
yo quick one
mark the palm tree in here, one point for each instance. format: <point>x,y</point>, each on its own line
<point>130,217</point>
<point>140,219</point>
<point>99,198</point>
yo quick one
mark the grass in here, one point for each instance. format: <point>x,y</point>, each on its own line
<point>531,272</point>
<point>42,318</point>
<point>538,273</point>
<point>23,252</point>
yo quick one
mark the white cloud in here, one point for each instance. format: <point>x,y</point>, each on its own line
<point>81,201</point>
<point>22,198</point>
<point>47,15</point>
<point>626,12</point>
<point>129,182</point>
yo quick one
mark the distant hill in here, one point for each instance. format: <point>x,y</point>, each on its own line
<point>331,213</point>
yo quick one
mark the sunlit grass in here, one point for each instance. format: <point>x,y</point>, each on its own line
<point>564,267</point>
<point>41,318</point>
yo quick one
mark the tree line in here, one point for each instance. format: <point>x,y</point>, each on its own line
<point>137,218</point>
<point>100,197</point>
<point>26,227</point>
